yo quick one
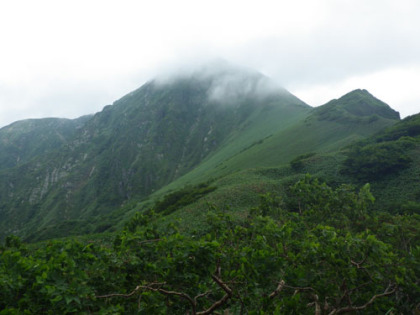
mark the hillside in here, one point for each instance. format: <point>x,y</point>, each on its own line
<point>24,140</point>
<point>142,142</point>
<point>77,176</point>
<point>356,105</point>
<point>265,239</point>
<point>389,160</point>
<point>213,192</point>
<point>311,133</point>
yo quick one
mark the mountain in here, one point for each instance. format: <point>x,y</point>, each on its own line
<point>388,160</point>
<point>23,140</point>
<point>142,142</point>
<point>68,177</point>
<point>311,133</point>
<point>356,105</point>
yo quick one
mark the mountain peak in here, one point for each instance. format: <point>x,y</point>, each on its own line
<point>355,105</point>
<point>223,80</point>
<point>357,93</point>
<point>362,103</point>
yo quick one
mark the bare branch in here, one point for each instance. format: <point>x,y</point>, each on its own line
<point>316,304</point>
<point>138,288</point>
<point>119,294</point>
<point>180,294</point>
<point>358,264</point>
<point>299,288</point>
<point>277,290</point>
<point>201,295</point>
<point>157,287</point>
<point>152,287</point>
<point>220,302</point>
<point>215,305</point>
<point>222,285</point>
<point>388,291</point>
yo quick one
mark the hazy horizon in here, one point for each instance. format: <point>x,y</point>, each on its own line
<point>72,59</point>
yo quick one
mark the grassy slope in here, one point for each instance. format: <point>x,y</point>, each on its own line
<point>257,130</point>
<point>239,192</point>
<point>307,135</point>
<point>264,166</point>
<point>397,192</point>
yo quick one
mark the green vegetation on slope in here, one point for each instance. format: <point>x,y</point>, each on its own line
<point>337,259</point>
<point>358,105</point>
<point>397,191</point>
<point>141,143</point>
<point>261,236</point>
<point>308,133</point>
<point>166,136</point>
<point>27,139</point>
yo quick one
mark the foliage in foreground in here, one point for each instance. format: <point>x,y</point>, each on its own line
<point>325,254</point>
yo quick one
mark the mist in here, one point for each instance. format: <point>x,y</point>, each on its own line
<point>227,81</point>
<point>317,50</point>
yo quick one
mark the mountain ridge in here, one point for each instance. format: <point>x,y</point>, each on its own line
<point>168,134</point>
<point>22,140</point>
<point>140,143</point>
<point>356,104</point>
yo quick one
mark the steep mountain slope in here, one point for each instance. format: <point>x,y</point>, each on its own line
<point>171,132</point>
<point>23,140</point>
<point>327,128</point>
<point>141,143</point>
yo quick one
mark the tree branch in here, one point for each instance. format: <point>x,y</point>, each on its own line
<point>222,285</point>
<point>220,302</point>
<point>180,294</point>
<point>316,303</point>
<point>358,264</point>
<point>388,291</point>
<point>138,288</point>
<point>157,287</point>
<point>277,290</point>
<point>201,295</point>
<point>152,287</point>
<point>299,288</point>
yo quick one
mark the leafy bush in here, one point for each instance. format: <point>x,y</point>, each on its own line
<point>298,162</point>
<point>275,262</point>
<point>376,160</point>
<point>409,127</point>
<point>181,198</point>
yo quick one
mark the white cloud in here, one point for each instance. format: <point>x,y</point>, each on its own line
<point>73,57</point>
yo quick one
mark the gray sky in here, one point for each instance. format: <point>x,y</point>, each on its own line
<point>69,58</point>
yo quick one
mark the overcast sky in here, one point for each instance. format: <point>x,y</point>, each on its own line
<point>70,58</point>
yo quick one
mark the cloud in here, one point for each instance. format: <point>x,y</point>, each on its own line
<point>349,43</point>
<point>58,97</point>
<point>227,81</point>
<point>86,54</point>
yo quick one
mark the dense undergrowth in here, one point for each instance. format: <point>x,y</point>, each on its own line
<point>320,250</point>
